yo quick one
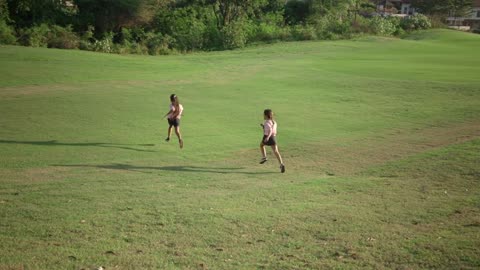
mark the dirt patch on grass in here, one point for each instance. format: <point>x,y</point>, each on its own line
<point>352,157</point>
<point>26,90</point>
<point>34,174</point>
<point>18,91</point>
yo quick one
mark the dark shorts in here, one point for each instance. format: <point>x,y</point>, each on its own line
<point>271,141</point>
<point>173,122</point>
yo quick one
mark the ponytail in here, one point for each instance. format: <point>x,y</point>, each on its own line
<point>176,103</point>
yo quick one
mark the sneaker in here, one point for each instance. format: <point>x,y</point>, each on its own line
<point>167,139</point>
<point>263,160</point>
<point>282,168</point>
<point>181,143</point>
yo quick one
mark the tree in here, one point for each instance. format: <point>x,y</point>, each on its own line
<point>4,14</point>
<point>458,8</point>
<point>357,7</point>
<point>428,6</point>
<point>297,11</point>
<point>228,11</point>
<point>112,15</point>
<point>26,13</point>
<point>455,7</point>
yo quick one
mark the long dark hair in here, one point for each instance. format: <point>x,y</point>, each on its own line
<point>175,101</point>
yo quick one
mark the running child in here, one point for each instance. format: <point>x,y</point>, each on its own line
<point>173,117</point>
<point>269,138</point>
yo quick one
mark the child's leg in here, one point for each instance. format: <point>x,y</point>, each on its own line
<point>179,135</point>
<point>169,133</point>
<point>263,151</point>
<point>277,154</point>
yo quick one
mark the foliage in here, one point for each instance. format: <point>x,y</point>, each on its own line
<point>159,44</point>
<point>416,22</point>
<point>28,13</point>
<point>437,21</point>
<point>62,38</point>
<point>107,15</point>
<point>188,29</point>
<point>234,35</point>
<point>301,32</point>
<point>385,26</point>
<point>428,6</point>
<point>4,14</point>
<point>36,36</point>
<point>457,7</point>
<point>7,34</point>
<point>52,36</point>
<point>267,32</point>
<point>229,12</point>
<point>105,44</point>
<point>166,26</point>
<point>86,39</point>
<point>333,25</point>
<point>297,11</point>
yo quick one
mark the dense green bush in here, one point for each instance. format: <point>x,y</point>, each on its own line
<point>296,11</point>
<point>234,35</point>
<point>164,27</point>
<point>53,36</point>
<point>130,41</point>
<point>86,39</point>
<point>62,38</point>
<point>105,44</point>
<point>188,29</point>
<point>416,22</point>
<point>266,32</point>
<point>7,34</point>
<point>36,36</point>
<point>332,26</point>
<point>385,26</point>
<point>190,26</point>
<point>300,32</point>
<point>4,13</point>
<point>213,37</point>
<point>157,43</point>
<point>138,41</point>
<point>269,28</point>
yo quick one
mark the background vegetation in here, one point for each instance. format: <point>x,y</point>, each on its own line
<point>168,26</point>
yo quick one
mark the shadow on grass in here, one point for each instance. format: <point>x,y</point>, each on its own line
<point>142,169</point>
<point>93,144</point>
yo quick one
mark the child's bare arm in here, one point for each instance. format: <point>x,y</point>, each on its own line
<point>169,112</point>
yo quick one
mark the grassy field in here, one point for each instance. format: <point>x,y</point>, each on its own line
<point>380,137</point>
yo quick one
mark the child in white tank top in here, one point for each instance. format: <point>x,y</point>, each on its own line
<point>269,138</point>
<point>173,117</point>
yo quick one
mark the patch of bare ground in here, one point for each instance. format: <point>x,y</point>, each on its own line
<point>468,217</point>
<point>344,158</point>
<point>25,90</point>
<point>34,174</point>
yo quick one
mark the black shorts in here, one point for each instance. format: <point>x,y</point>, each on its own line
<point>271,141</point>
<point>173,122</point>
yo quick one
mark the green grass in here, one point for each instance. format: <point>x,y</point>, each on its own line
<point>380,136</point>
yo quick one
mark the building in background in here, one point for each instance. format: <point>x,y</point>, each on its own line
<point>471,21</point>
<point>395,7</point>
